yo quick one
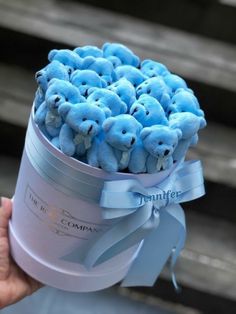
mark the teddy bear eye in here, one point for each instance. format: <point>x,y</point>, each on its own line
<point>123,131</point>
<point>84,119</point>
<point>83,83</point>
<point>145,83</point>
<point>147,112</point>
<point>134,84</point>
<point>97,121</point>
<point>48,79</point>
<point>67,99</point>
<point>69,71</point>
<point>148,91</point>
<point>160,143</point>
<point>97,99</point>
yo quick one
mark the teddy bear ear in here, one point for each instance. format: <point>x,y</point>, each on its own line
<point>105,46</point>
<point>104,83</point>
<point>136,61</point>
<point>92,89</point>
<point>53,80</point>
<point>64,109</point>
<point>124,107</point>
<point>77,50</point>
<point>52,54</point>
<point>200,113</point>
<point>145,132</point>
<point>74,75</point>
<point>202,123</point>
<point>107,124</point>
<point>179,133</point>
<point>145,62</point>
<point>87,62</point>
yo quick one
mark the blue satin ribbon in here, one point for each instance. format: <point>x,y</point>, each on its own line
<point>159,221</point>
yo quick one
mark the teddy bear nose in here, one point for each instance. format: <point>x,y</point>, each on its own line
<point>90,128</point>
<point>57,99</point>
<point>132,140</point>
<point>166,152</point>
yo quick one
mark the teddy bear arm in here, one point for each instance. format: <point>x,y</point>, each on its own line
<point>41,113</point>
<point>137,162</point>
<point>66,140</point>
<point>151,164</point>
<point>92,153</point>
<point>106,158</point>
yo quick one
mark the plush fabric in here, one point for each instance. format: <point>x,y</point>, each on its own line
<point>58,92</point>
<point>103,67</point>
<point>79,133</point>
<point>189,124</point>
<point>121,53</point>
<point>152,68</point>
<point>157,88</point>
<point>154,151</point>
<point>125,90</point>
<point>132,74</point>
<point>87,51</point>
<point>184,101</point>
<point>120,135</point>
<point>175,82</point>
<point>111,104</point>
<point>85,79</point>
<point>148,111</point>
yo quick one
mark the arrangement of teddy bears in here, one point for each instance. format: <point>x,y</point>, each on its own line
<point>107,108</point>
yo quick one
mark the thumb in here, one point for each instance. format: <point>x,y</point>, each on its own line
<point>5,214</point>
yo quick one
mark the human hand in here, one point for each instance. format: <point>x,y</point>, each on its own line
<point>15,284</point>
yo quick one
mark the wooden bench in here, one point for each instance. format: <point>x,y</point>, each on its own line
<point>208,65</point>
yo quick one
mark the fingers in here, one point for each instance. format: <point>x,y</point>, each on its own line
<point>5,214</point>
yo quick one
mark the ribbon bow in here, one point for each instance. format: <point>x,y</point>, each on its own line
<point>152,214</point>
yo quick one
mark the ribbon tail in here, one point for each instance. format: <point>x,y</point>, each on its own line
<point>157,248</point>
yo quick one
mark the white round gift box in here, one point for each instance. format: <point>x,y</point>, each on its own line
<point>52,216</point>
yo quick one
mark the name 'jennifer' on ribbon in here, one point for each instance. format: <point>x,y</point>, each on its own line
<point>159,221</point>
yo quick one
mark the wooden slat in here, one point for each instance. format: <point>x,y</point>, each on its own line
<point>71,23</point>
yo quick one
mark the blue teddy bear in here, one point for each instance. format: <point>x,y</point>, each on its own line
<point>120,54</point>
<point>157,88</point>
<point>87,51</point>
<point>184,101</point>
<point>68,58</point>
<point>135,76</point>
<point>175,82</point>
<point>55,69</point>
<point>103,67</point>
<point>85,79</point>
<point>125,90</point>
<point>120,135</point>
<point>58,92</point>
<point>79,134</point>
<point>148,111</point>
<point>109,101</point>
<point>152,68</point>
<point>189,124</point>
<point>154,151</point>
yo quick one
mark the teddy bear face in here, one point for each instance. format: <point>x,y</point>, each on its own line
<point>103,67</point>
<point>187,122</point>
<point>148,111</point>
<point>135,76</point>
<point>122,132</point>
<point>85,119</point>
<point>125,90</point>
<point>60,91</point>
<point>156,88</point>
<point>55,69</point>
<point>151,68</point>
<point>85,79</point>
<point>122,53</point>
<point>184,101</point>
<point>86,51</point>
<point>159,140</point>
<point>67,57</point>
<point>111,104</point>
<point>175,82</point>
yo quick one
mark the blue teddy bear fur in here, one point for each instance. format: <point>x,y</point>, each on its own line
<point>120,135</point>
<point>106,107</point>
<point>79,134</point>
